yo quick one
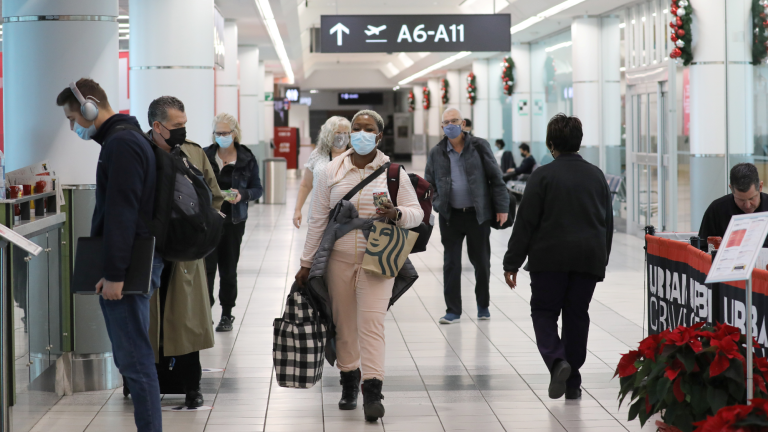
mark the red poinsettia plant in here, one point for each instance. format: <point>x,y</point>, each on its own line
<point>688,373</point>
<point>737,418</point>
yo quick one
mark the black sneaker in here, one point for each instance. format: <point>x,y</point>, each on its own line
<point>573,393</point>
<point>560,374</point>
<point>225,324</point>
<point>194,399</point>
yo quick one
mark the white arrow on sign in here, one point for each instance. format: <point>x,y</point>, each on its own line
<point>338,29</point>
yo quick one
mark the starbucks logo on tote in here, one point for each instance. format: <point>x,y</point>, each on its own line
<point>388,244</point>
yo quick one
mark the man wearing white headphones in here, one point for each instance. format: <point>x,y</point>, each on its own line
<point>125,192</point>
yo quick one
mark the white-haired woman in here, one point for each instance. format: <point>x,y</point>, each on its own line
<point>236,169</point>
<point>332,141</point>
<point>359,300</point>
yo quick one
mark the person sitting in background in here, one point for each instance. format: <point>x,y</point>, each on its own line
<point>746,197</point>
<point>332,141</point>
<point>526,166</point>
<point>467,126</point>
<point>235,168</point>
<point>565,229</point>
<point>179,313</point>
<point>504,157</point>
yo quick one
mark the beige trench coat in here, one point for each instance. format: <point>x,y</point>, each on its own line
<point>187,325</point>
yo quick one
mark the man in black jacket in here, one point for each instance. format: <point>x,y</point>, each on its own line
<point>565,227</point>
<point>125,193</point>
<point>746,197</point>
<point>526,165</point>
<point>470,192</point>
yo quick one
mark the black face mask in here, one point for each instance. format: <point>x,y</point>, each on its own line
<point>178,136</point>
<point>522,155</point>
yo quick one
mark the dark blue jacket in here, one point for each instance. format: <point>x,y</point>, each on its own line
<point>125,193</point>
<point>245,178</point>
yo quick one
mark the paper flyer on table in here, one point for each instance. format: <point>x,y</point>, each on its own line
<point>740,248</point>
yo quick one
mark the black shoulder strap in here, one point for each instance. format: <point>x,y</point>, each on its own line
<point>366,182</point>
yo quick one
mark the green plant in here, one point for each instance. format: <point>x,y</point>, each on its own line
<point>682,14</point>
<point>687,374</point>
<point>507,75</point>
<point>737,418</point>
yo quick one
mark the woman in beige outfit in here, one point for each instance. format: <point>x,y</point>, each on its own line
<point>359,300</point>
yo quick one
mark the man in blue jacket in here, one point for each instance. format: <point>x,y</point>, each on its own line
<point>470,193</point>
<point>125,193</point>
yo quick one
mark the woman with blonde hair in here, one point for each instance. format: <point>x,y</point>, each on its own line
<point>332,141</point>
<point>237,170</point>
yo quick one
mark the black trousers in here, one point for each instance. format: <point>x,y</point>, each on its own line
<point>571,293</point>
<point>461,225</point>
<point>225,257</point>
<point>186,368</point>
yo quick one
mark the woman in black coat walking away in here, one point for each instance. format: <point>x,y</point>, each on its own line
<point>237,170</point>
<point>565,228</point>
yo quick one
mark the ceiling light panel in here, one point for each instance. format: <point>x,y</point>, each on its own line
<point>436,66</point>
<point>265,10</point>
<point>554,10</point>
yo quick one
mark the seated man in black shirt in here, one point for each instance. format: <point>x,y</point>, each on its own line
<point>526,166</point>
<point>746,197</point>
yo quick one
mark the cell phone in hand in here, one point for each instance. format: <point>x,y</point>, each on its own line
<point>380,197</point>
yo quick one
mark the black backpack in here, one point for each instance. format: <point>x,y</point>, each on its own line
<point>184,223</point>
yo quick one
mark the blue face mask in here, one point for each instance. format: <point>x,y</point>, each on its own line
<point>85,133</point>
<point>224,141</point>
<point>452,131</point>
<point>363,142</point>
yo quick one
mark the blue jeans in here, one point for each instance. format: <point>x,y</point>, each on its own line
<point>128,328</point>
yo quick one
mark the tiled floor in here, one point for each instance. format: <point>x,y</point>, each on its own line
<point>473,376</point>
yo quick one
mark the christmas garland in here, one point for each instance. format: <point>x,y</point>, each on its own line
<point>411,102</point>
<point>760,24</point>
<point>444,90</point>
<point>507,77</point>
<point>425,102</point>
<point>471,89</point>
<point>682,12</point>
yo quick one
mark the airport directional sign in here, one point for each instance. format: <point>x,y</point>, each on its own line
<point>414,33</point>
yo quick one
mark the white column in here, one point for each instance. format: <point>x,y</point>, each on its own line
<point>227,83</point>
<point>521,97</point>
<point>261,125</point>
<point>610,87</point>
<point>585,33</point>
<point>464,106</point>
<point>183,69</point>
<point>455,89</point>
<point>434,114</point>
<point>495,104</point>
<point>740,82</point>
<point>251,93</point>
<point>40,59</point>
<point>269,106</point>
<point>480,115</point>
<point>709,105</point>
<point>419,146</point>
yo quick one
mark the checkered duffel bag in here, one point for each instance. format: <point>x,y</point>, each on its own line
<point>298,347</point>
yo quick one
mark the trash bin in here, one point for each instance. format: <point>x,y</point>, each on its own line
<point>275,175</point>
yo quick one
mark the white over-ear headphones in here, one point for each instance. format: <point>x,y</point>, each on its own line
<point>88,108</point>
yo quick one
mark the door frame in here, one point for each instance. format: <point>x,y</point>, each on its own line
<point>645,81</point>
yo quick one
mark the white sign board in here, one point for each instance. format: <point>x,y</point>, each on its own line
<point>740,248</point>
<point>19,240</point>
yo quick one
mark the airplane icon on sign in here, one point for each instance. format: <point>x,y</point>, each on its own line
<point>374,30</point>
